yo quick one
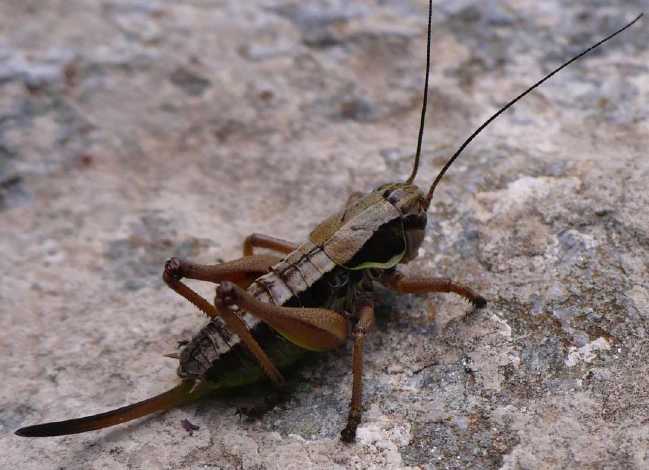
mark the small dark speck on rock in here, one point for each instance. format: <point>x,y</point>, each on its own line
<point>320,39</point>
<point>86,160</point>
<point>190,82</point>
<point>12,191</point>
<point>189,426</point>
<point>602,212</point>
<point>357,109</point>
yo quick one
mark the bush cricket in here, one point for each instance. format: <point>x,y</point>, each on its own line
<point>270,309</point>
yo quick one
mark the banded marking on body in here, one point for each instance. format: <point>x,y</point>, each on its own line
<point>287,279</point>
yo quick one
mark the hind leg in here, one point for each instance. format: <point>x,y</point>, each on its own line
<point>258,240</point>
<point>242,271</point>
<point>315,329</point>
<point>234,271</point>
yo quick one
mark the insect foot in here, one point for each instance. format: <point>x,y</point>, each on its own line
<point>348,434</point>
<point>226,293</point>
<point>479,302</point>
<point>172,270</point>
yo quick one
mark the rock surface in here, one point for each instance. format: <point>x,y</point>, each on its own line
<point>135,131</point>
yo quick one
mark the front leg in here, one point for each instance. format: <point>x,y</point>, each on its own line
<point>423,285</point>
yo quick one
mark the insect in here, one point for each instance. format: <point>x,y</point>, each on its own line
<point>269,309</point>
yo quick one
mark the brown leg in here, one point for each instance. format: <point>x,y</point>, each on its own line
<point>242,271</point>
<point>316,329</point>
<point>257,240</point>
<point>176,269</point>
<point>365,323</point>
<point>422,285</point>
<point>237,326</point>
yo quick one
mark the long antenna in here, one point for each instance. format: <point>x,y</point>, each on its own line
<point>429,197</point>
<point>411,178</point>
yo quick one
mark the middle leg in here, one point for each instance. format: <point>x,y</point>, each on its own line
<point>258,240</point>
<point>365,323</point>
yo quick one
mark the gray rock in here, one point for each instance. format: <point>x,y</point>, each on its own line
<point>134,131</point>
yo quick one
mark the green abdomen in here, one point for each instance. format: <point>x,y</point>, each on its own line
<point>238,367</point>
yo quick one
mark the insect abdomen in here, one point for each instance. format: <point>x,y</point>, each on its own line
<point>207,346</point>
<point>216,354</point>
<point>293,276</point>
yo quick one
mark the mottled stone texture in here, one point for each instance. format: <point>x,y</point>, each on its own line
<point>131,131</point>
